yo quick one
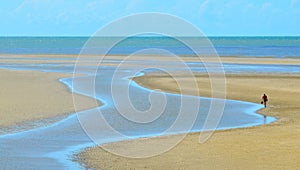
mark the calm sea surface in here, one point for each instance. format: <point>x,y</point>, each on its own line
<point>225,46</point>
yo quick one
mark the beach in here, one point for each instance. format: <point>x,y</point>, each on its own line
<point>150,85</point>
<point>272,146</point>
<point>28,96</point>
<point>43,98</point>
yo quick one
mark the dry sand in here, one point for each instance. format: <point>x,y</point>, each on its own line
<point>12,58</point>
<point>272,146</point>
<point>31,95</point>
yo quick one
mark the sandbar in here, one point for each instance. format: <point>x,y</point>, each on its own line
<point>271,146</point>
<point>27,96</point>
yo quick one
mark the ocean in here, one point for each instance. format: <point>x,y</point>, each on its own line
<point>278,47</point>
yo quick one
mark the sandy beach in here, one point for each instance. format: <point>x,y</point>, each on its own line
<point>70,59</point>
<point>272,146</point>
<point>168,85</point>
<point>27,96</point>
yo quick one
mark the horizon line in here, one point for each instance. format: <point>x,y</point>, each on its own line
<point>86,36</point>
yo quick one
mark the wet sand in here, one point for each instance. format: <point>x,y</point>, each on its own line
<point>34,58</point>
<point>27,96</point>
<point>272,146</point>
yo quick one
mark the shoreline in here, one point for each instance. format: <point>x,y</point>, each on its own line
<point>89,156</point>
<point>62,81</point>
<point>78,154</point>
<point>193,134</point>
<point>90,59</point>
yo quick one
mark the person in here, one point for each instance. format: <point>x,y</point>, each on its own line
<point>265,99</point>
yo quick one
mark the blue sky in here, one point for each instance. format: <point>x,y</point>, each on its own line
<point>212,17</point>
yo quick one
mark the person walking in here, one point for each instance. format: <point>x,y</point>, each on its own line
<point>264,100</point>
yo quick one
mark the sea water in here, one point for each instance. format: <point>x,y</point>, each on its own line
<point>225,46</point>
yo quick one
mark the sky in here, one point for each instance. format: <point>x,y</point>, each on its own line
<point>212,17</point>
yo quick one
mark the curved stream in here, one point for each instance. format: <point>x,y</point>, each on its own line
<point>51,147</point>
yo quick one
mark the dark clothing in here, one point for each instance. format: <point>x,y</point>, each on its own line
<point>265,98</point>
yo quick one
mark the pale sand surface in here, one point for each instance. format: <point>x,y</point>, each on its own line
<point>11,58</point>
<point>31,95</point>
<point>272,146</point>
